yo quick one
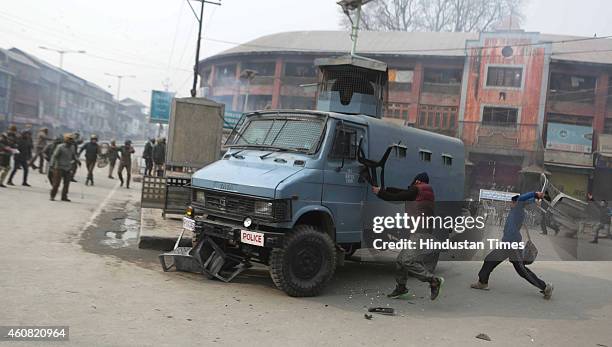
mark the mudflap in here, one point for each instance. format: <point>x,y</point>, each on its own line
<point>207,258</point>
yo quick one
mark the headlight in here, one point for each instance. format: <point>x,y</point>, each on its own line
<point>263,208</point>
<point>200,197</point>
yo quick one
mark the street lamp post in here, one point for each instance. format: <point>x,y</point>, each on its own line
<point>119,78</point>
<point>247,75</point>
<point>200,19</point>
<point>347,7</point>
<point>61,53</point>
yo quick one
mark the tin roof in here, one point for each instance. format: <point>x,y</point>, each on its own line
<point>440,44</point>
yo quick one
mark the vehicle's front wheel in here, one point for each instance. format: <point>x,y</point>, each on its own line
<point>306,262</point>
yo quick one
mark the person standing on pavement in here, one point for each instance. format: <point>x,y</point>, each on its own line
<point>512,233</point>
<point>41,142</point>
<point>61,163</point>
<point>159,156</point>
<point>411,262</point>
<point>604,221</point>
<point>91,150</point>
<point>21,159</point>
<point>48,153</point>
<point>147,155</point>
<point>76,142</point>
<point>6,152</point>
<point>125,162</point>
<point>112,156</point>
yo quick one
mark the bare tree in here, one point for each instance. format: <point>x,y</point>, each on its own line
<point>438,15</point>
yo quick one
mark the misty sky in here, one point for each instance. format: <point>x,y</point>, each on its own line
<point>155,39</point>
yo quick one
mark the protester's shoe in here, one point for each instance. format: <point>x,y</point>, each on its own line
<point>479,285</point>
<point>25,184</point>
<point>399,292</point>
<point>111,177</point>
<point>2,185</point>
<point>66,199</point>
<point>34,166</point>
<point>436,287</point>
<point>593,241</point>
<point>52,198</point>
<point>548,291</point>
<point>73,180</point>
<point>10,183</point>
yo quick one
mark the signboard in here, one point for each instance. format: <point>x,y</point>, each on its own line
<point>161,106</point>
<point>569,137</point>
<point>496,195</point>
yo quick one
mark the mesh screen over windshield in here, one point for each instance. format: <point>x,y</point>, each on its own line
<point>300,134</point>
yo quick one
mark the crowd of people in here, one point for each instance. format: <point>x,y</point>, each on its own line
<point>59,158</point>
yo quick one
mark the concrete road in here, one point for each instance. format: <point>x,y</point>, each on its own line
<point>76,264</point>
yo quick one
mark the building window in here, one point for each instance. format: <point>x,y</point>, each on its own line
<point>262,68</point>
<point>345,145</point>
<point>573,88</point>
<point>225,73</point>
<point>608,126</point>
<point>3,92</point>
<point>500,116</point>
<point>437,117</point>
<point>300,70</point>
<point>510,77</point>
<point>397,110</point>
<point>400,80</point>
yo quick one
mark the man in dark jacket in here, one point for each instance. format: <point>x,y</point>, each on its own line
<point>159,156</point>
<point>512,233</point>
<point>604,221</point>
<point>411,262</point>
<point>91,150</point>
<point>112,156</point>
<point>48,153</point>
<point>61,164</point>
<point>147,155</point>
<point>21,159</point>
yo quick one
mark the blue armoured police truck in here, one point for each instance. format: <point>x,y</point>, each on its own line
<point>293,189</point>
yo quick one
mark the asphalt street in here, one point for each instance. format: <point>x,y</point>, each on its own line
<point>76,264</point>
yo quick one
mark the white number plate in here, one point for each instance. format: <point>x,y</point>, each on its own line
<point>188,224</point>
<point>252,238</point>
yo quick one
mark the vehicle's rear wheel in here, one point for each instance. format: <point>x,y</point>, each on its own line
<point>306,262</point>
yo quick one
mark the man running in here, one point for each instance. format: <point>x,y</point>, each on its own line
<point>412,261</point>
<point>512,233</point>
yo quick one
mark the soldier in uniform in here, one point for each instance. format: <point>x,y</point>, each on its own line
<point>125,162</point>
<point>112,156</point>
<point>62,160</point>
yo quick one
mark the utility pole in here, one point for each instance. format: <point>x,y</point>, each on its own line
<point>119,78</point>
<point>200,19</point>
<point>347,7</point>
<point>61,53</point>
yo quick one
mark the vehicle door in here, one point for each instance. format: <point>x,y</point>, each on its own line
<point>344,191</point>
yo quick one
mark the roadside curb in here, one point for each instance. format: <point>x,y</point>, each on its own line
<point>159,233</point>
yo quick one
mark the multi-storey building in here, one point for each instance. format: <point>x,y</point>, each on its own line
<point>524,103</point>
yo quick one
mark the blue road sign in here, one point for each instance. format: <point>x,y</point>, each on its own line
<point>161,106</point>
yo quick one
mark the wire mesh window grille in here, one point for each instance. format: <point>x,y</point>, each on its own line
<point>288,133</point>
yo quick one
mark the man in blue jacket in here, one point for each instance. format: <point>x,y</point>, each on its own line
<point>512,233</point>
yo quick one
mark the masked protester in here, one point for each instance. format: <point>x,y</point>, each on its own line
<point>112,155</point>
<point>125,162</point>
<point>91,150</point>
<point>62,160</point>
<point>412,261</point>
<point>512,233</point>
<point>21,159</point>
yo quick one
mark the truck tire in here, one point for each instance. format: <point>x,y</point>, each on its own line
<point>306,262</point>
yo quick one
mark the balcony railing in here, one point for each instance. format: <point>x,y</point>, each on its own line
<point>442,88</point>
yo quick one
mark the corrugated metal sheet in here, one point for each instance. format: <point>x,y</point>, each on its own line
<point>442,44</point>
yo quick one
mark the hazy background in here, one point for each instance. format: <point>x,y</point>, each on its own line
<point>155,39</point>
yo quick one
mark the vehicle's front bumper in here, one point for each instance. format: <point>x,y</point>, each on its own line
<point>231,232</point>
